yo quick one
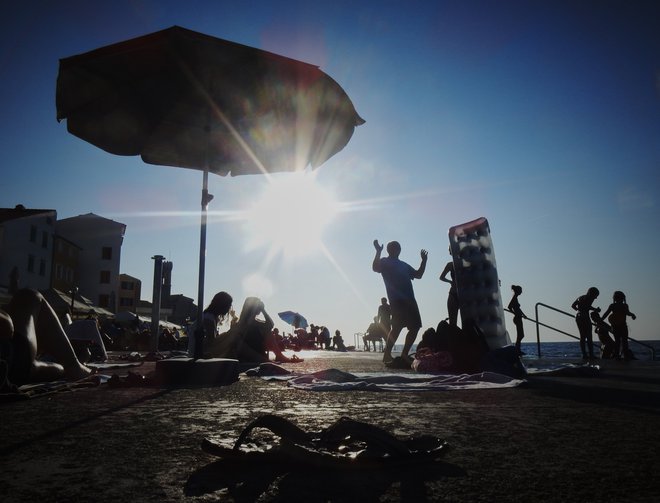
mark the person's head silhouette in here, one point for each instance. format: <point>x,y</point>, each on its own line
<point>393,249</point>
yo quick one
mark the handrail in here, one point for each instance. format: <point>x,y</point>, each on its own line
<point>538,334</point>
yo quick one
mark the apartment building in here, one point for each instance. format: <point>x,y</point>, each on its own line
<point>100,240</point>
<point>130,290</point>
<point>26,247</point>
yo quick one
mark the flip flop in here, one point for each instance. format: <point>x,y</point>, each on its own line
<point>346,444</point>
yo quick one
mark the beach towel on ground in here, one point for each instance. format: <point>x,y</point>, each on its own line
<point>337,380</point>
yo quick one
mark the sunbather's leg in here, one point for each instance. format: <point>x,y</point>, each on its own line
<point>391,340</point>
<point>37,331</point>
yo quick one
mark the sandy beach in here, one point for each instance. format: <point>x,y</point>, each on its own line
<point>560,438</point>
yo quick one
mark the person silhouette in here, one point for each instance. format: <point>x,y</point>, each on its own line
<point>618,312</point>
<point>447,275</point>
<point>518,315</point>
<point>608,348</point>
<point>250,339</point>
<point>338,342</point>
<point>397,276</point>
<point>385,315</point>
<point>374,334</point>
<point>29,328</point>
<point>215,314</point>
<point>583,304</point>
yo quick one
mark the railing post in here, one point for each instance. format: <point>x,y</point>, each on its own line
<point>538,333</point>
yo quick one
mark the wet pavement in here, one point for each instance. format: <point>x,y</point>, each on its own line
<point>562,438</point>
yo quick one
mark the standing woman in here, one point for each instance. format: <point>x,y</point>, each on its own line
<point>447,276</point>
<point>618,312</point>
<point>518,315</point>
<point>583,304</point>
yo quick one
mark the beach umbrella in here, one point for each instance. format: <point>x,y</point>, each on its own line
<point>294,319</point>
<point>184,99</point>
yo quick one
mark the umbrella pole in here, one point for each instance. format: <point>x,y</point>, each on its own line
<point>198,344</point>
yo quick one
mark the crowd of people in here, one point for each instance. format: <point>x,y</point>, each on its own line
<point>34,345</point>
<point>613,336</point>
<point>398,275</point>
<point>252,336</point>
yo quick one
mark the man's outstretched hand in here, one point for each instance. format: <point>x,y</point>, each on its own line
<point>378,246</point>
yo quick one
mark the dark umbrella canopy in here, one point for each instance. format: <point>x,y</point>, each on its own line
<point>180,98</point>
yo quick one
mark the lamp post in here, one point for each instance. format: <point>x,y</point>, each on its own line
<point>73,293</point>
<point>155,305</point>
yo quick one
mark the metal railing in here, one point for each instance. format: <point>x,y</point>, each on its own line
<point>570,315</point>
<point>358,339</point>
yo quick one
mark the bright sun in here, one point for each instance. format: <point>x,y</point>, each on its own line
<point>291,215</point>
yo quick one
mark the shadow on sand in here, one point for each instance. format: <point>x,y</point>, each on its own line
<point>268,474</point>
<point>348,461</point>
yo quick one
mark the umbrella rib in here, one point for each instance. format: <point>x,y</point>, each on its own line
<point>216,109</point>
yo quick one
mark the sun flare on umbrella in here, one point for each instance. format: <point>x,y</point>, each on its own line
<point>290,215</point>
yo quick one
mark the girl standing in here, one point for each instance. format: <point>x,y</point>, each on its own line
<point>518,315</point>
<point>618,312</point>
<point>583,305</point>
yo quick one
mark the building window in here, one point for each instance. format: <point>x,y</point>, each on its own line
<point>30,264</point>
<point>127,285</point>
<point>44,239</point>
<point>126,302</point>
<point>106,253</point>
<point>58,272</point>
<point>33,234</point>
<point>42,267</point>
<point>49,220</point>
<point>105,277</point>
<point>104,300</point>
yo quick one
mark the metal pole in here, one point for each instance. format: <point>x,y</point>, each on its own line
<point>538,334</point>
<point>155,302</point>
<point>197,350</point>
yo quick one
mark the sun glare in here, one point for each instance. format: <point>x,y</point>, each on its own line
<point>291,215</point>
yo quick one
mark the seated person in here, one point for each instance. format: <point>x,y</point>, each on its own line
<point>29,329</point>
<point>251,338</point>
<point>338,342</point>
<point>375,333</point>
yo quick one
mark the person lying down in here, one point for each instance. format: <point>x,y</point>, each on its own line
<point>33,344</point>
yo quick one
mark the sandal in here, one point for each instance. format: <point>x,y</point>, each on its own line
<point>346,444</point>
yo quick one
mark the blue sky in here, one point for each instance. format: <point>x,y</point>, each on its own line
<point>542,116</point>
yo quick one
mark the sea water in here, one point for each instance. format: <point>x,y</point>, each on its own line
<point>571,349</point>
